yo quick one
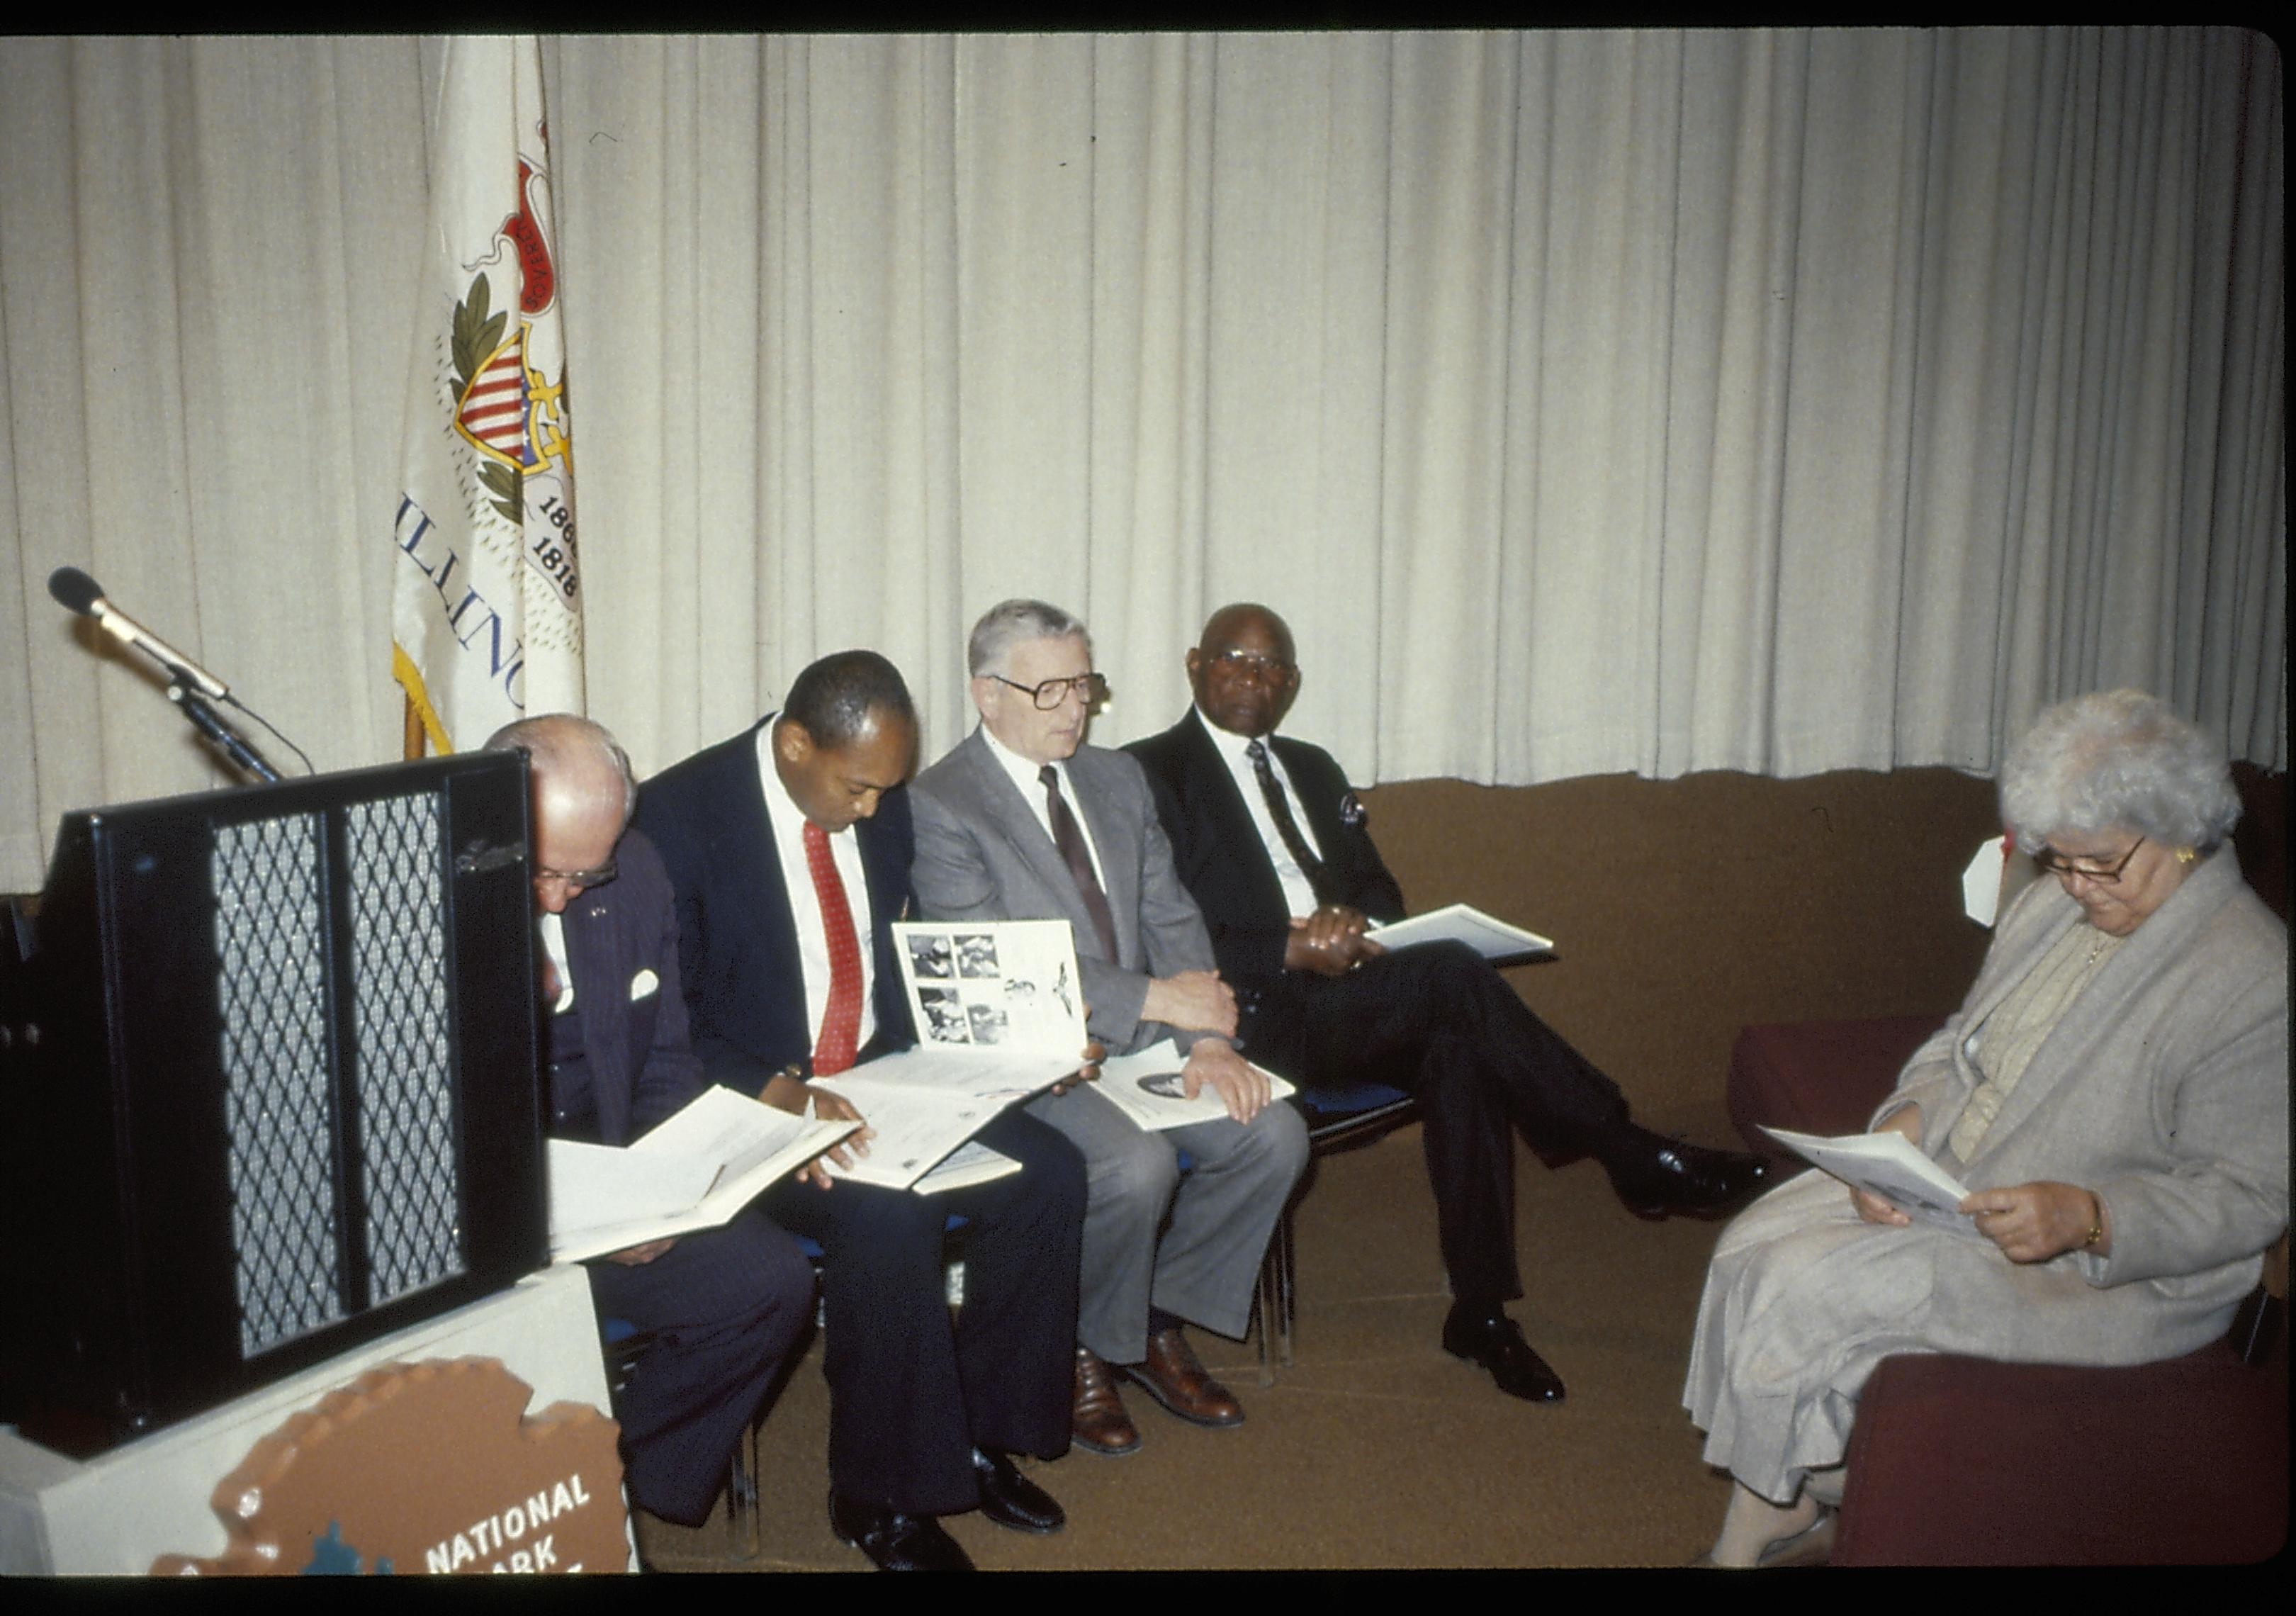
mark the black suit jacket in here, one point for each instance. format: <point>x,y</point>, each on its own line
<point>621,950</point>
<point>1225,867</point>
<point>737,939</point>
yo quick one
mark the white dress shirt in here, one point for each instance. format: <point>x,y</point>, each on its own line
<point>1025,775</point>
<point>553,931</point>
<point>1299,894</point>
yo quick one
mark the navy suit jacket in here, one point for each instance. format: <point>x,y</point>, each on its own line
<point>1225,867</point>
<point>737,940</point>
<point>621,950</point>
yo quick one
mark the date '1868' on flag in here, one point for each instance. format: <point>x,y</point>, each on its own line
<point>486,602</point>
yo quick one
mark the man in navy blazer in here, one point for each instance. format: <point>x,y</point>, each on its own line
<point>1275,847</point>
<point>724,1306</point>
<point>924,1415</point>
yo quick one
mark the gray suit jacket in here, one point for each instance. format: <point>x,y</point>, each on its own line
<point>982,855</point>
<point>2165,1091</point>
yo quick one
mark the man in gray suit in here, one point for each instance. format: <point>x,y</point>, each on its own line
<point>1022,821</point>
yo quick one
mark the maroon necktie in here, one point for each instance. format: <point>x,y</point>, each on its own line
<point>841,1021</point>
<point>1068,836</point>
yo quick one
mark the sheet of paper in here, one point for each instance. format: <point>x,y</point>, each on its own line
<point>593,1186</point>
<point>1003,985</point>
<point>692,1171</point>
<point>1888,1165</point>
<point>1146,1088</point>
<point>972,1164</point>
<point>916,1127</point>
<point>998,1074</point>
<point>722,1125</point>
<point>1487,936</point>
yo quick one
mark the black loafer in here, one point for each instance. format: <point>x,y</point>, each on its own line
<point>1011,1499</point>
<point>1687,1180</point>
<point>1495,1342</point>
<point>896,1542</point>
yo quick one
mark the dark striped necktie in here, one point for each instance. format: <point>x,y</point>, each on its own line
<point>1068,836</point>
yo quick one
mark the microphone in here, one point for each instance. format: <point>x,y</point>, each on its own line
<point>74,589</point>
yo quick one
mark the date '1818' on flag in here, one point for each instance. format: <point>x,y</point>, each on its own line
<point>485,600</point>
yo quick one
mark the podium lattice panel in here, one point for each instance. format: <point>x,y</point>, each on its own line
<point>272,985</point>
<point>405,1074</point>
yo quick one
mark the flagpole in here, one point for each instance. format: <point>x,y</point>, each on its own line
<point>414,736</point>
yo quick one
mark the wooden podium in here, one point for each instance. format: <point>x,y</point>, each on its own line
<point>335,1444</point>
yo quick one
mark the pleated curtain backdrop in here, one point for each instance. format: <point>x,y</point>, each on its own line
<point>1776,401</point>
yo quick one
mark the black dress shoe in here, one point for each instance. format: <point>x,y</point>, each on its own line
<point>1672,1179</point>
<point>1495,1341</point>
<point>895,1541</point>
<point>1009,1498</point>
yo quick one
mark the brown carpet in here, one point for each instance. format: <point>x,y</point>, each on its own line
<point>1374,1448</point>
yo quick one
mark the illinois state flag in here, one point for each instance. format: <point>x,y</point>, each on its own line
<point>486,605</point>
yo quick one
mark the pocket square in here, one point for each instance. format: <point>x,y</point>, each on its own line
<point>644,984</point>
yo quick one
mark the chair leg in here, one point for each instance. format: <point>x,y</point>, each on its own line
<point>743,1539</point>
<point>1271,1304</point>
<point>1264,1307</point>
<point>1286,1291</point>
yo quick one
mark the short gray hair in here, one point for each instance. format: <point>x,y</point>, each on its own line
<point>1014,622</point>
<point>2119,757</point>
<point>558,738</point>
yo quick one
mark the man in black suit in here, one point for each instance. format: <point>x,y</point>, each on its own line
<point>725,1306</point>
<point>1274,847</point>
<point>787,846</point>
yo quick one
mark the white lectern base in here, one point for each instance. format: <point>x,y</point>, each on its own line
<point>119,1512</point>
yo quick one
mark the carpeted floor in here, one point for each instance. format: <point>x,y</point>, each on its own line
<point>1374,1449</point>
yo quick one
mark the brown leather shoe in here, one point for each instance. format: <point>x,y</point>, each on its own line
<point>1174,1378</point>
<point>1097,1422</point>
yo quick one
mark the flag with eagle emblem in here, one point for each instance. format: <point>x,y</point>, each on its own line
<point>486,600</point>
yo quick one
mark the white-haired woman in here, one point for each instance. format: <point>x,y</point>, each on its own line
<point>2113,1091</point>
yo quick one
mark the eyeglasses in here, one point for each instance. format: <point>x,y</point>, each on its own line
<point>2065,869</point>
<point>1273,670</point>
<point>1052,693</point>
<point>581,881</point>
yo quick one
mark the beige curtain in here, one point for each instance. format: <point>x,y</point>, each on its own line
<point>1588,401</point>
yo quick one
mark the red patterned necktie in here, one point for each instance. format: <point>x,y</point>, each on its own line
<point>840,1022</point>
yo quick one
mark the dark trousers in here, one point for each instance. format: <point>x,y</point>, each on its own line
<point>910,1393</point>
<point>725,1307</point>
<point>1439,1021</point>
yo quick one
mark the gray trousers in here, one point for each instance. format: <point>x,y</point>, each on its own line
<point>1200,1262</point>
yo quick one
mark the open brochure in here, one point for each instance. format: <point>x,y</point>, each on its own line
<point>999,1015</point>
<point>923,1104</point>
<point>987,986</point>
<point>1146,1088</point>
<point>1888,1165</point>
<point>1491,937</point>
<point>692,1171</point>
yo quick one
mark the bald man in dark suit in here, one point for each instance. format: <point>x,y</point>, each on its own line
<point>725,1307</point>
<point>1276,850</point>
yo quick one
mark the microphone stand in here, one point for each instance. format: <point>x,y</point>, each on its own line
<point>203,717</point>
